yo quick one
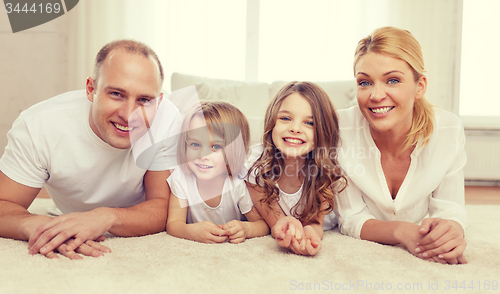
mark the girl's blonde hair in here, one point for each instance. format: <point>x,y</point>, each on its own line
<point>321,170</point>
<point>226,121</point>
<point>402,45</point>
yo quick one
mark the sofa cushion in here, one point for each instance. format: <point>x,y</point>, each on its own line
<point>252,98</point>
<point>342,93</point>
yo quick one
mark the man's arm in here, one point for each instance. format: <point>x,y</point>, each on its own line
<point>150,216</point>
<point>145,218</point>
<point>17,222</point>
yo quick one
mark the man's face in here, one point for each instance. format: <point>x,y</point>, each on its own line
<point>127,81</point>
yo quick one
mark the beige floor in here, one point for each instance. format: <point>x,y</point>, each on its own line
<point>473,195</point>
<point>482,195</point>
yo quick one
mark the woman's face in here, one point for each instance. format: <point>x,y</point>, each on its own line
<point>386,92</point>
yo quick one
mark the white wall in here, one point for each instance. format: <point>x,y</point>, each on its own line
<point>33,68</point>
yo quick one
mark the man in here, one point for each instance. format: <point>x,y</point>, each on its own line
<point>79,146</point>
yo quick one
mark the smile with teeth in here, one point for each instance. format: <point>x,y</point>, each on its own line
<point>203,166</point>
<point>293,140</point>
<point>382,109</point>
<point>122,128</point>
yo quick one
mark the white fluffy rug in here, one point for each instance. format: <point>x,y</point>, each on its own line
<point>164,264</point>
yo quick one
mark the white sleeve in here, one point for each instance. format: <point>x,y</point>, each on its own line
<point>351,210</point>
<point>21,161</point>
<point>448,199</point>
<point>166,157</point>
<point>255,153</point>
<point>177,183</point>
<point>245,202</point>
<point>157,149</point>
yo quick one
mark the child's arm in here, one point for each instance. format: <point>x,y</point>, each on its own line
<point>238,231</point>
<point>205,232</point>
<point>287,230</point>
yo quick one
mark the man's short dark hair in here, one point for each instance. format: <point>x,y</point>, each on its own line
<point>130,46</point>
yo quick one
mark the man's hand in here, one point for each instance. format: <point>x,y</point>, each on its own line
<point>89,248</point>
<point>442,240</point>
<point>76,228</point>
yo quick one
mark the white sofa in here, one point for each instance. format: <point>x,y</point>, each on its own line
<point>252,98</point>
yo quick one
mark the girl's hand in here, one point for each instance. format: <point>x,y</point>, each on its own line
<point>286,229</point>
<point>310,244</point>
<point>236,230</point>
<point>442,239</point>
<point>208,232</point>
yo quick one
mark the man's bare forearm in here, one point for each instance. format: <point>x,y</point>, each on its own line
<point>145,218</point>
<point>16,222</point>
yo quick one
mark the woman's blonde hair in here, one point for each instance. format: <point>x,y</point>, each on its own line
<point>321,169</point>
<point>226,121</point>
<point>402,45</point>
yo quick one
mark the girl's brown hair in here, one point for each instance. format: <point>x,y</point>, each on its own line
<point>322,174</point>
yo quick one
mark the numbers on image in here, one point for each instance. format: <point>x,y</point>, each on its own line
<point>18,8</point>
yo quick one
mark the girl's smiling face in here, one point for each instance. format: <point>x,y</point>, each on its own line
<point>293,133</point>
<point>204,151</point>
<point>387,91</point>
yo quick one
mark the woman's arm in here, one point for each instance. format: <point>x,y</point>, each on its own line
<point>444,231</point>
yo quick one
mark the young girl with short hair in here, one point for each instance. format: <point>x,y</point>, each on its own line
<point>210,202</point>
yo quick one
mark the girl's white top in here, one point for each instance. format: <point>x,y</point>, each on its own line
<point>235,199</point>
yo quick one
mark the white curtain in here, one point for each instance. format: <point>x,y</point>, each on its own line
<point>209,38</point>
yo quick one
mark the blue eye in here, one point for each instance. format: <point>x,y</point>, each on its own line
<point>144,100</point>
<point>393,81</point>
<point>216,147</point>
<point>194,145</point>
<point>364,84</point>
<point>285,118</point>
<point>115,93</point>
<point>310,123</point>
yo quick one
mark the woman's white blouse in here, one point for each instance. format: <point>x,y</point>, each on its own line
<point>433,186</point>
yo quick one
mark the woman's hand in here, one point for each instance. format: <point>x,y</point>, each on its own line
<point>408,234</point>
<point>442,239</point>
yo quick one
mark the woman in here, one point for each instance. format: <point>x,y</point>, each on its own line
<point>404,159</point>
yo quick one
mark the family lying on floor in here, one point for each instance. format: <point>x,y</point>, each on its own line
<point>389,170</point>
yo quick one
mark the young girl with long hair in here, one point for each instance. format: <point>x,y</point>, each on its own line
<point>296,176</point>
<point>210,202</point>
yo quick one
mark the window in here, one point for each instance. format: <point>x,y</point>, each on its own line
<point>480,64</point>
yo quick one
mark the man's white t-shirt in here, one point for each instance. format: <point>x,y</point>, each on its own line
<point>52,143</point>
<point>235,199</point>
